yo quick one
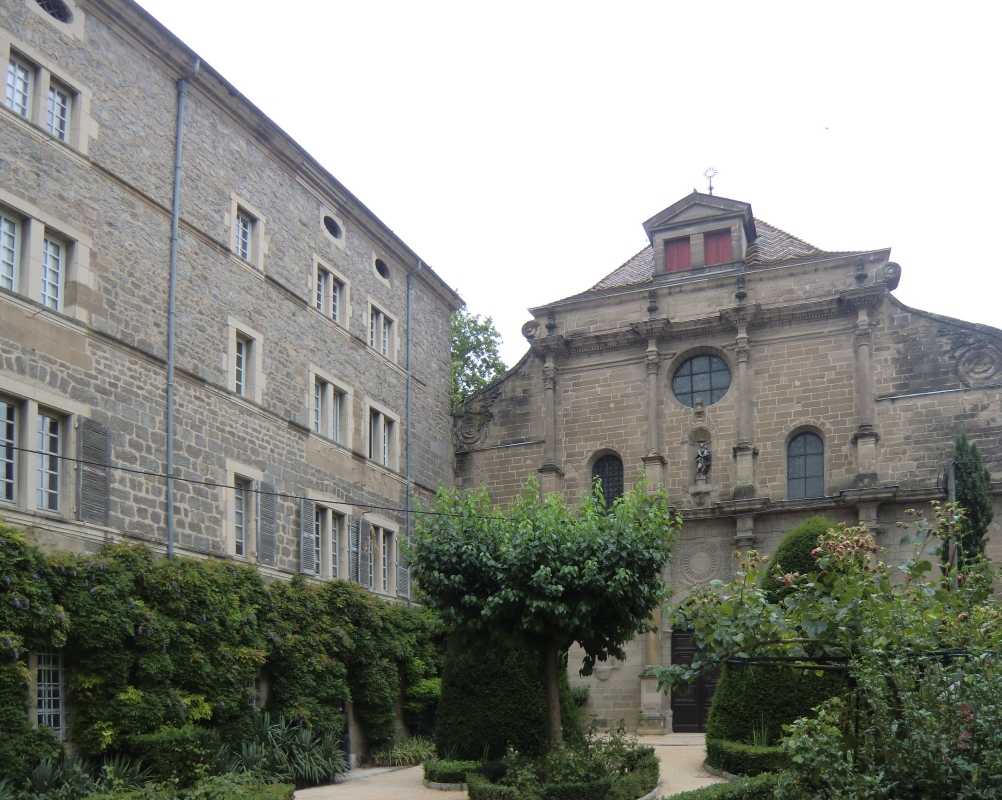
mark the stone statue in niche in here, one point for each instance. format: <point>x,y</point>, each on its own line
<point>703,460</point>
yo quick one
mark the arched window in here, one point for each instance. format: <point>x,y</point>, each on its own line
<point>805,467</point>
<point>705,378</point>
<point>610,470</point>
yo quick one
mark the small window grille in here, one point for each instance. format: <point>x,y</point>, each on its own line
<point>705,378</point>
<point>805,467</point>
<point>56,9</point>
<point>49,678</point>
<point>609,469</point>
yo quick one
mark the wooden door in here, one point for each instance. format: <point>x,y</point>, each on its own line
<point>688,712</point>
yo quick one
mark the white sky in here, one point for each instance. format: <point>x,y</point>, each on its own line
<point>518,146</point>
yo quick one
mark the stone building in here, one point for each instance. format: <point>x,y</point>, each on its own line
<point>290,377</point>
<point>760,379</point>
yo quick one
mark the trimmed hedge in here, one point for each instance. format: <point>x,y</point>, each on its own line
<point>750,698</point>
<point>745,759</point>
<point>444,771</point>
<point>593,790</point>
<point>794,554</point>
<point>479,788</point>
<point>762,787</point>
<point>272,791</point>
<point>639,781</point>
<point>495,701</point>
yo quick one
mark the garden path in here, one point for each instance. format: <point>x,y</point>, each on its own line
<point>681,757</point>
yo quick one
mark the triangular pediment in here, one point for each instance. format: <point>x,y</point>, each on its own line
<point>697,207</point>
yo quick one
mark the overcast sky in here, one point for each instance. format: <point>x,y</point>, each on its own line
<point>517,147</point>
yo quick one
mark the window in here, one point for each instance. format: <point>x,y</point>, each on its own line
<point>56,9</point>
<point>57,112</point>
<point>320,388</point>
<point>381,438</point>
<point>242,492</point>
<point>717,248</point>
<point>387,558</point>
<point>20,78</point>
<point>805,466</point>
<point>380,332</point>
<point>47,470</point>
<point>328,409</point>
<point>678,255</point>
<point>610,470</point>
<point>240,374</point>
<point>10,251</point>
<point>329,295</point>
<point>705,378</point>
<point>53,270</point>
<point>320,522</point>
<point>8,441</point>
<point>49,685</point>
<point>337,523</point>
<point>243,233</point>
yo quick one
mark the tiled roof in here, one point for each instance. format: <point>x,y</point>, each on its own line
<point>773,246</point>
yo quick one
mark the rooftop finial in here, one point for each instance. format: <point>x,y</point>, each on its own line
<point>709,176</point>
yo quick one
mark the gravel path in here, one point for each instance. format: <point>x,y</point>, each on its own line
<point>681,757</point>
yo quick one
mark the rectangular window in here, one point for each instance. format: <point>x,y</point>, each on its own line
<point>245,227</point>
<point>374,432</point>
<point>386,337</point>
<point>323,287</point>
<point>49,685</point>
<point>678,254</point>
<point>8,441</point>
<point>320,389</point>
<point>387,438</point>
<point>380,332</point>
<point>337,400</point>
<point>369,556</point>
<point>337,290</point>
<point>319,520</point>
<point>336,523</point>
<point>48,463</point>
<point>717,248</point>
<point>386,559</point>
<point>241,365</point>
<point>57,112</point>
<point>241,507</point>
<point>18,93</point>
<point>10,251</point>
<point>53,269</point>
<point>380,438</point>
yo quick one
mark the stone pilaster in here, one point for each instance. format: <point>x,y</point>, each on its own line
<point>550,472</point>
<point>654,462</point>
<point>744,450</point>
<point>865,437</point>
<point>744,533</point>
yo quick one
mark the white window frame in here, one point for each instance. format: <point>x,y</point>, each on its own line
<point>384,533</point>
<point>59,111</point>
<point>55,262</point>
<point>333,551</point>
<point>321,538</point>
<point>48,461</point>
<point>10,422</point>
<point>48,695</point>
<point>11,234</point>
<point>238,474</point>
<point>330,294</point>
<point>335,406</point>
<point>382,434</point>
<point>382,332</point>
<point>17,64</point>
<point>243,504</point>
<point>257,243</point>
<point>252,362</point>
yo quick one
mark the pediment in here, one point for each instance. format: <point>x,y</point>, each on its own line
<point>697,207</point>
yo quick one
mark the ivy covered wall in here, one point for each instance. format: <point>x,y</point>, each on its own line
<point>152,645</point>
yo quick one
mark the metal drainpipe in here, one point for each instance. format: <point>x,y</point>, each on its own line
<point>407,434</point>
<point>182,93</point>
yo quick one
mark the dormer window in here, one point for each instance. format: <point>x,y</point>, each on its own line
<point>678,254</point>
<point>717,247</point>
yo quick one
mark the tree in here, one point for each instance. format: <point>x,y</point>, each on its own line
<point>973,482</point>
<point>541,577</point>
<point>475,359</point>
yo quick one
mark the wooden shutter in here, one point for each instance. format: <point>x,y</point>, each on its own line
<point>365,553</point>
<point>307,542</point>
<point>717,248</point>
<point>677,254</point>
<point>403,572</point>
<point>354,541</point>
<point>266,544</point>
<point>93,475</point>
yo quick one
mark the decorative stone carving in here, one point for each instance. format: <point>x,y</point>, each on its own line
<point>652,302</point>
<point>863,336</point>
<point>699,410</point>
<point>741,294</point>
<point>892,275</point>
<point>979,363</point>
<point>703,460</point>
<point>697,564</point>
<point>603,669</point>
<point>860,275</point>
<point>551,321</point>
<point>474,417</point>
<point>530,329</point>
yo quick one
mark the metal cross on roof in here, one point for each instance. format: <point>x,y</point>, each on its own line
<point>709,176</point>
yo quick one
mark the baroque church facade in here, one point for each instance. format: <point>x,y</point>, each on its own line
<point>761,380</point>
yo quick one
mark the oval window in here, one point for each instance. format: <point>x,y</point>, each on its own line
<point>705,378</point>
<point>382,269</point>
<point>332,227</point>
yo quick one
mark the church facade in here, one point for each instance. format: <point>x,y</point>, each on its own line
<point>761,380</point>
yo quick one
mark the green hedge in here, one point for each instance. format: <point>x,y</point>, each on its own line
<point>749,699</point>
<point>175,754</point>
<point>794,554</point>
<point>444,771</point>
<point>745,759</point>
<point>495,701</point>
<point>762,787</point>
<point>479,788</point>
<point>272,791</point>
<point>639,781</point>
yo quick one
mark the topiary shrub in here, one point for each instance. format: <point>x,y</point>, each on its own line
<point>752,704</point>
<point>794,554</point>
<point>745,759</point>
<point>443,771</point>
<point>762,787</point>
<point>497,700</point>
<point>175,754</point>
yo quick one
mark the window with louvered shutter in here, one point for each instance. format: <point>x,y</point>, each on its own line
<point>365,559</point>
<point>354,542</point>
<point>266,513</point>
<point>307,537</point>
<point>93,475</point>
<point>403,574</point>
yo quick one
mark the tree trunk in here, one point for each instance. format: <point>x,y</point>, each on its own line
<point>551,666</point>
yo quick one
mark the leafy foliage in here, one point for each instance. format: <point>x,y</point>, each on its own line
<point>475,358</point>
<point>762,787</point>
<point>404,751</point>
<point>973,484</point>
<point>541,577</point>
<point>794,555</point>
<point>739,758</point>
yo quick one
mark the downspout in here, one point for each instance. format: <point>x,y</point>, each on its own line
<point>182,93</point>
<point>407,434</point>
